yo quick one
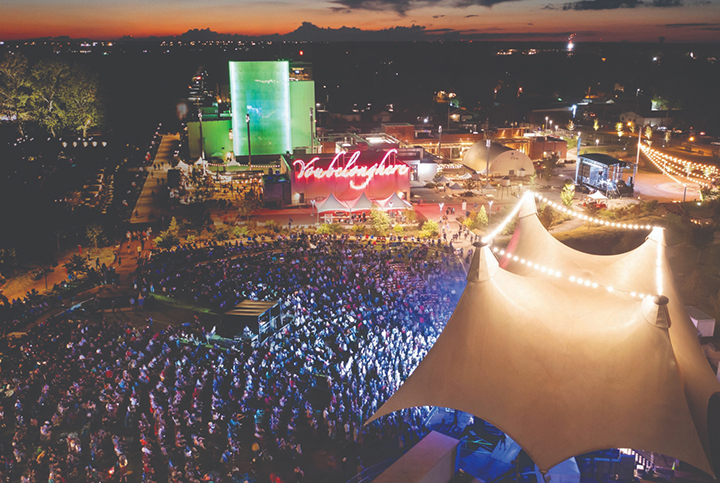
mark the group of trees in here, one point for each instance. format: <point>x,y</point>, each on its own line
<point>53,93</point>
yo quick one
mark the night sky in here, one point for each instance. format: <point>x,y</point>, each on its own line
<point>592,20</point>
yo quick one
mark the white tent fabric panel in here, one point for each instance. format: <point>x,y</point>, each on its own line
<point>397,203</point>
<point>361,203</point>
<point>631,271</point>
<point>566,369</point>
<point>331,204</point>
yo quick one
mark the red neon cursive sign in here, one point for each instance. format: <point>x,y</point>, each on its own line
<point>308,170</point>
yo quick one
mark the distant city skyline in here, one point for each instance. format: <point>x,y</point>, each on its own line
<point>592,20</point>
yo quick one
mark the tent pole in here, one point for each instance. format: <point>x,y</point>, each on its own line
<point>544,475</point>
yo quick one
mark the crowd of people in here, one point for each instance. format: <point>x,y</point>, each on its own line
<point>89,401</point>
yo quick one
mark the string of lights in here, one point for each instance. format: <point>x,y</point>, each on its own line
<point>670,169</point>
<point>552,272</point>
<point>707,169</point>
<point>498,229</point>
<point>591,219</point>
<point>585,282</point>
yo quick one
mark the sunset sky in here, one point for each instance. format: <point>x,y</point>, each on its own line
<point>593,20</point>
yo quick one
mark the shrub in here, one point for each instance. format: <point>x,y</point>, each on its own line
<point>241,231</point>
<point>336,228</point>
<point>324,229</point>
<point>222,233</point>
<point>398,229</point>
<point>567,195</point>
<point>429,229</point>
<point>272,225</point>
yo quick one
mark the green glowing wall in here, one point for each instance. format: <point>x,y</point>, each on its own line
<point>261,89</point>
<point>216,139</point>
<point>302,99</point>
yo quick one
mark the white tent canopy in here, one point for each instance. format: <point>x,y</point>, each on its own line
<point>200,162</point>
<point>331,204</point>
<point>597,196</point>
<point>183,167</point>
<point>394,202</point>
<point>361,203</point>
<point>564,368</point>
<point>443,179</point>
<point>456,187</point>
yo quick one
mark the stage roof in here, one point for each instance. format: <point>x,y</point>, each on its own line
<point>251,308</point>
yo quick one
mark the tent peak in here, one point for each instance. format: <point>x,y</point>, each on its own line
<point>654,310</point>
<point>483,266</point>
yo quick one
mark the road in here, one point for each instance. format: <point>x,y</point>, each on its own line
<point>145,206</point>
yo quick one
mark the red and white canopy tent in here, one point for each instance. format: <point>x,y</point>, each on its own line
<point>361,203</point>
<point>331,204</point>
<point>581,361</point>
<point>394,203</point>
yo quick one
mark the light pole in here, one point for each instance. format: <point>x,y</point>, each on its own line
<point>487,165</point>
<point>312,131</point>
<point>202,144</point>
<point>247,121</point>
<point>545,125</point>
<point>440,141</point>
<point>490,211</point>
<point>312,202</point>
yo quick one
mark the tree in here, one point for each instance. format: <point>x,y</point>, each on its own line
<point>702,236</point>
<point>549,165</point>
<point>248,206</point>
<point>410,215</point>
<point>379,221</point>
<point>59,234</point>
<point>470,184</point>
<point>631,126</point>
<point>596,125</point>
<point>81,100</point>
<point>95,232</point>
<point>570,126</point>
<point>648,132</point>
<point>8,260</point>
<point>15,89</point>
<point>173,227</point>
<point>77,264</point>
<point>198,216</point>
<point>619,127</point>
<point>48,78</point>
<point>482,217</point>
<point>567,195</point>
<point>546,216</point>
<point>167,239</point>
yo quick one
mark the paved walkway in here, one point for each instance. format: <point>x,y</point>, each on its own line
<point>146,210</point>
